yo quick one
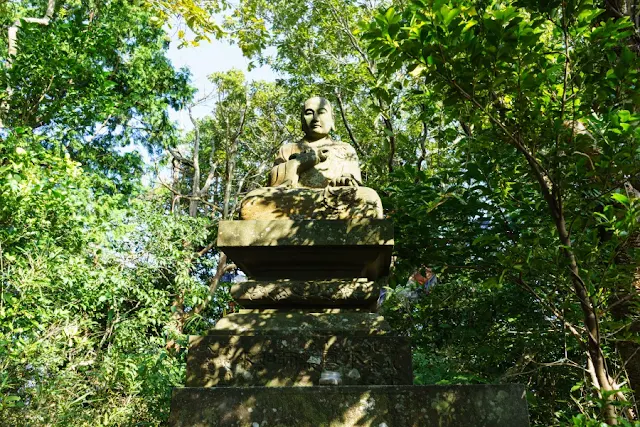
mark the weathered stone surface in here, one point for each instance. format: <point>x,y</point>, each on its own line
<point>302,324</point>
<point>363,232</point>
<point>309,249</point>
<point>297,360</point>
<point>270,203</point>
<point>343,406</point>
<point>362,293</point>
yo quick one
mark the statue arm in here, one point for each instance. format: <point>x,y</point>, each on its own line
<point>291,161</point>
<point>283,154</point>
<point>281,172</point>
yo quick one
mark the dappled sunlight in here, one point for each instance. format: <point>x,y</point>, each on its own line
<point>293,348</point>
<point>370,406</point>
<point>352,293</point>
<point>308,348</point>
<point>334,203</point>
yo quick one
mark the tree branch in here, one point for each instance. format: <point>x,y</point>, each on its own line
<point>195,190</point>
<point>346,123</point>
<point>12,37</point>
<point>189,197</point>
<point>179,157</point>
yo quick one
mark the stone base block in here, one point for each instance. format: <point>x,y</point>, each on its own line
<point>297,360</point>
<point>343,406</point>
<point>352,293</point>
<point>311,203</point>
<point>309,249</point>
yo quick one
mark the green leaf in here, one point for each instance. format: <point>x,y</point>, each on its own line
<point>468,25</point>
<point>450,15</point>
<point>620,198</point>
<point>389,14</point>
<point>624,115</point>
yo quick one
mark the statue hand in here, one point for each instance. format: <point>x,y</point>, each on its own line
<point>343,181</point>
<point>307,159</point>
<point>323,154</point>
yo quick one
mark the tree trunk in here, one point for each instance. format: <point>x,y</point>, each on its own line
<point>591,322</point>
<point>624,307</point>
<point>195,193</point>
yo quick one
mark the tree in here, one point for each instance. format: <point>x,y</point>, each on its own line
<point>227,154</point>
<point>84,299</point>
<point>531,80</point>
<point>114,88</point>
<point>319,49</point>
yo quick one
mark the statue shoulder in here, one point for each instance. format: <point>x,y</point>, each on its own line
<point>351,150</point>
<point>345,151</point>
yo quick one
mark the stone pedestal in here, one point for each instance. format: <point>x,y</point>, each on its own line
<point>311,203</point>
<point>345,406</point>
<point>275,348</point>
<point>295,361</point>
<point>307,310</point>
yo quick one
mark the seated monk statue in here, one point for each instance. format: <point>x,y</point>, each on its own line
<point>314,178</point>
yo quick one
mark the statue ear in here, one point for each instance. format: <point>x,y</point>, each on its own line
<point>302,123</point>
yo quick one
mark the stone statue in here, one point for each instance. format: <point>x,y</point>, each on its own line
<point>316,161</point>
<point>314,178</point>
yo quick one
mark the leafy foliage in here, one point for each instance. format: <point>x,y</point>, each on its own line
<point>535,194</point>
<point>95,78</point>
<point>503,137</point>
<point>89,264</point>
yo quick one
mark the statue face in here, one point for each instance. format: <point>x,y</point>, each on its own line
<point>317,118</point>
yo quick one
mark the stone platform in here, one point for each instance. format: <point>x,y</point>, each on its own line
<point>311,203</point>
<point>332,321</point>
<point>368,406</point>
<point>307,311</point>
<point>308,249</point>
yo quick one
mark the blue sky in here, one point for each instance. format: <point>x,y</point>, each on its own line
<point>203,60</point>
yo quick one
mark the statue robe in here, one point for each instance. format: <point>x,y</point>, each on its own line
<point>335,160</point>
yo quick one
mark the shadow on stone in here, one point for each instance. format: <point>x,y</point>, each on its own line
<point>391,406</point>
<point>275,203</point>
<point>274,348</point>
<point>341,293</point>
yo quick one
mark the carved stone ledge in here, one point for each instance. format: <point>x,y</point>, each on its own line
<point>309,249</point>
<point>351,293</point>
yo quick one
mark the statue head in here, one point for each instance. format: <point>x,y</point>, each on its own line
<point>317,118</point>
